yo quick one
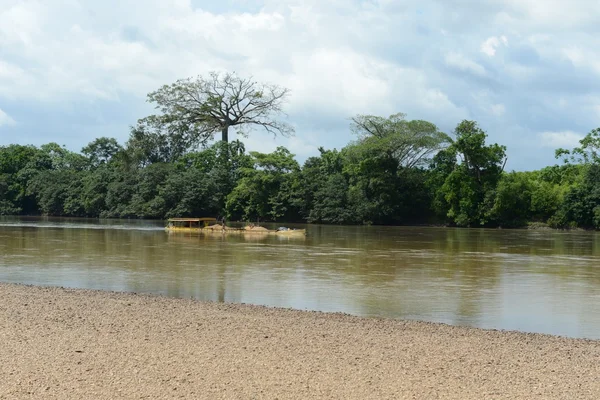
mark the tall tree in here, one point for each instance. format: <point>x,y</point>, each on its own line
<point>264,189</point>
<point>470,188</point>
<point>324,194</point>
<point>581,204</point>
<point>441,166</point>
<point>101,150</point>
<point>410,143</point>
<point>587,153</point>
<point>149,144</point>
<point>13,197</point>
<point>200,107</point>
<point>512,206</point>
<point>385,165</point>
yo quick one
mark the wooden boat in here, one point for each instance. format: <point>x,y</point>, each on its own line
<point>203,225</point>
<point>188,224</point>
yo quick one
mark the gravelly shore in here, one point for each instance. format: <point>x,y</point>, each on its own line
<point>78,344</point>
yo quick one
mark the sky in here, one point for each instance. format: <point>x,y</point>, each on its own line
<point>528,71</point>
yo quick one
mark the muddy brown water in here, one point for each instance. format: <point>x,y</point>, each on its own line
<point>533,281</point>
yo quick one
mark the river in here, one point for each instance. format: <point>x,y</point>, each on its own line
<point>533,281</point>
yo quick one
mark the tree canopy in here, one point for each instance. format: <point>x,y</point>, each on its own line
<point>469,188</point>
<point>195,109</point>
<point>588,152</point>
<point>397,171</point>
<point>410,143</point>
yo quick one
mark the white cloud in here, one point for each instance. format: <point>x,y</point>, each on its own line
<point>554,14</point>
<point>20,22</point>
<point>85,62</point>
<point>575,55</point>
<point>345,81</point>
<point>566,139</point>
<point>82,56</point>
<point>338,58</point>
<point>12,77</point>
<point>263,142</point>
<point>490,46</point>
<point>5,119</point>
<point>486,101</point>
<point>498,109</point>
<point>461,62</point>
<point>588,58</point>
<point>562,102</point>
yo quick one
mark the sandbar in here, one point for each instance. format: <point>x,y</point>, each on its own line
<point>58,343</point>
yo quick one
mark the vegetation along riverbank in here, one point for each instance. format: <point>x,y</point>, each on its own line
<point>397,171</point>
<point>59,343</point>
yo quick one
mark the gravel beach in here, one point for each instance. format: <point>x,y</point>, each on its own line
<point>78,344</point>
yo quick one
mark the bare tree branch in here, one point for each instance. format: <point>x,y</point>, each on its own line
<point>220,102</point>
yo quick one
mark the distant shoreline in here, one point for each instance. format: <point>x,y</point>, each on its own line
<point>90,344</point>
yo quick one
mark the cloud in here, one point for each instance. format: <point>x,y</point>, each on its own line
<point>5,119</point>
<point>553,15</point>
<point>490,46</point>
<point>565,139</point>
<point>498,109</point>
<point>303,147</point>
<point>73,70</point>
<point>463,63</point>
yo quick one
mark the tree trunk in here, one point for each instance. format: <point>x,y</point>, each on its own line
<point>225,134</point>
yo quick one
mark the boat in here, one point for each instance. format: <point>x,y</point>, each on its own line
<point>210,225</point>
<point>188,224</point>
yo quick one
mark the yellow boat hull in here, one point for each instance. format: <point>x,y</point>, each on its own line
<point>236,231</point>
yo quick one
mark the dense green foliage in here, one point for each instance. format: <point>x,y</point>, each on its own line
<point>395,172</point>
<point>469,188</point>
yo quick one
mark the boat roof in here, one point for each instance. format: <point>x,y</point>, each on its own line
<point>193,219</point>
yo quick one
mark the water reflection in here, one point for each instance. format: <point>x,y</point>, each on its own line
<point>527,280</point>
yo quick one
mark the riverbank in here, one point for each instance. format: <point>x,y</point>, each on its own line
<point>79,344</point>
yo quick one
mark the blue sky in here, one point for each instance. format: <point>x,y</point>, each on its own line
<point>527,70</point>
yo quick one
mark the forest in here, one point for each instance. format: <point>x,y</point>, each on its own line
<point>395,172</point>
